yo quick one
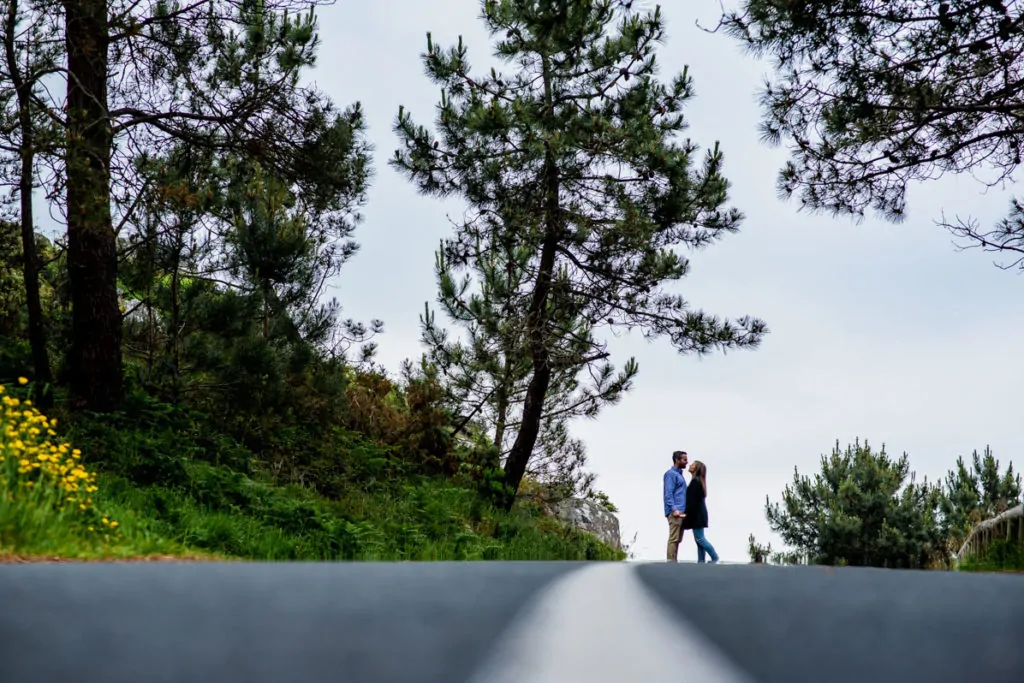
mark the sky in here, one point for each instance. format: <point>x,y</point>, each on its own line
<point>878,331</point>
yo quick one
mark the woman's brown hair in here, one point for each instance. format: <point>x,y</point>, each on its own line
<point>700,471</point>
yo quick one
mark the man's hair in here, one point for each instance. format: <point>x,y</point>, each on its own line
<point>677,455</point>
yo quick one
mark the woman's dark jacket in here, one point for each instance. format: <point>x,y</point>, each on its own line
<point>696,506</point>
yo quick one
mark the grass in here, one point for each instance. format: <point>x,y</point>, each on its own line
<point>429,520</point>
<point>208,510</point>
<point>1000,556</point>
<point>226,513</point>
<point>46,492</point>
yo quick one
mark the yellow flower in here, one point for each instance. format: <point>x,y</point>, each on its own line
<point>36,460</point>
<point>113,525</point>
<point>22,381</point>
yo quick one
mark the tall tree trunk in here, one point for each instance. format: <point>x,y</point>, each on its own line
<point>36,323</point>
<point>537,323</point>
<point>174,338</point>
<point>540,380</point>
<point>95,357</point>
<point>502,401</point>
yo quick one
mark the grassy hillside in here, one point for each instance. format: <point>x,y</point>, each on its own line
<point>131,485</point>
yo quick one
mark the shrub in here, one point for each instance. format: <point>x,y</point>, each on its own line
<point>1000,555</point>
<point>45,490</point>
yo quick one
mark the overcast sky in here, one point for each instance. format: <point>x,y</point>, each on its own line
<point>879,331</point>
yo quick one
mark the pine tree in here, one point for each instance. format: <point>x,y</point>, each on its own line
<point>171,247</point>
<point>229,266</point>
<point>281,248</point>
<point>872,96</point>
<point>31,37</point>
<point>222,75</point>
<point>976,493</point>
<point>863,508</point>
<point>488,372</point>
<point>577,153</point>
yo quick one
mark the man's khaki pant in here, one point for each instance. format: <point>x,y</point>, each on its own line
<point>675,535</point>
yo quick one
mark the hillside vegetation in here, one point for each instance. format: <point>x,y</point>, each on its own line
<point>175,320</point>
<point>178,381</point>
<point>169,486</point>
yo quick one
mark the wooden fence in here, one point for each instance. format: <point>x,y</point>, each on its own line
<point>1008,526</point>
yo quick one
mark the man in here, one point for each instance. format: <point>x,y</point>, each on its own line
<point>675,503</point>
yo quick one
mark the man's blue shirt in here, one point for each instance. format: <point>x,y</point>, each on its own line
<point>675,491</point>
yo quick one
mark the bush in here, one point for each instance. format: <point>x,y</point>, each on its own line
<point>342,496</point>
<point>45,491</point>
<point>427,518</point>
<point>1000,555</point>
<point>181,482</point>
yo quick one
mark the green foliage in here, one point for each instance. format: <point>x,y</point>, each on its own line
<point>1000,555</point>
<point>32,54</point>
<point>487,374</point>
<point>212,85</point>
<point>759,554</point>
<point>603,500</point>
<point>176,484</point>
<point>31,35</point>
<point>763,554</point>
<point>12,286</point>
<point>215,509</point>
<point>43,483</point>
<point>315,459</point>
<point>972,495</point>
<point>581,196</point>
<point>15,351</point>
<point>863,508</point>
<point>872,96</point>
<point>179,483</point>
<point>211,195</point>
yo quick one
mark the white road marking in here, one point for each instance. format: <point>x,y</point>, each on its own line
<point>600,624</point>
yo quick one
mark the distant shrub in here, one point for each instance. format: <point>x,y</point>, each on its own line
<point>1000,555</point>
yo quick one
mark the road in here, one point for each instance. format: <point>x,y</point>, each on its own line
<point>504,622</point>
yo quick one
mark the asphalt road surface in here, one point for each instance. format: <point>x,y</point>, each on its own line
<point>502,622</point>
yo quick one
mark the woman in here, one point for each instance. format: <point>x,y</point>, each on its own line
<point>695,517</point>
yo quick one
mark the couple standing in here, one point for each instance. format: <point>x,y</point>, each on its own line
<point>686,506</point>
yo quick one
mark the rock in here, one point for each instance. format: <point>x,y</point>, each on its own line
<point>590,517</point>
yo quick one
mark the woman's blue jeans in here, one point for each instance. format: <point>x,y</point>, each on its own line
<point>704,547</point>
